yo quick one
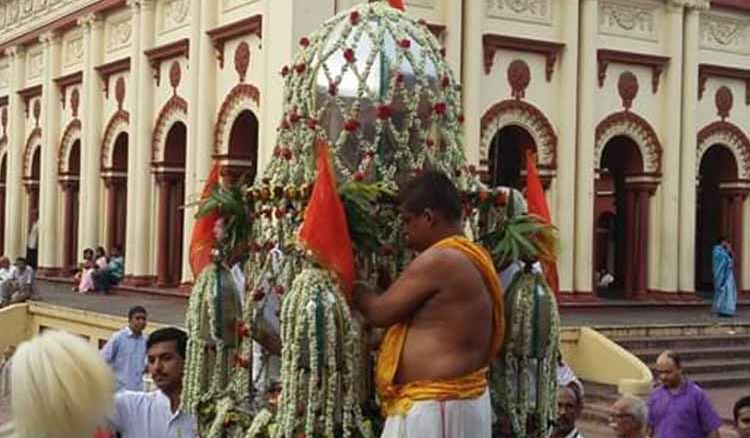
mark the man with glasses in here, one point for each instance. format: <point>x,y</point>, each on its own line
<point>629,417</point>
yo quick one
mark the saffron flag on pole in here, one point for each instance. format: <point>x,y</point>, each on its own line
<point>538,206</point>
<point>398,4</point>
<point>203,237</point>
<point>325,229</point>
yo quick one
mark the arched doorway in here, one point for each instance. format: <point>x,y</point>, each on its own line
<point>116,183</point>
<point>241,160</point>
<point>31,183</point>
<point>621,219</point>
<point>70,184</point>
<point>3,182</point>
<point>170,180</point>
<point>719,211</point>
<point>507,157</point>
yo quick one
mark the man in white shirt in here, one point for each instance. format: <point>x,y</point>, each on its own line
<point>5,274</point>
<point>569,408</point>
<point>157,414</point>
<point>21,285</point>
<point>125,352</point>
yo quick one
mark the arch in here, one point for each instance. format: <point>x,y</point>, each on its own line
<point>635,127</point>
<point>71,134</point>
<point>243,97</point>
<point>175,110</point>
<point>32,144</point>
<point>730,136</point>
<point>526,116</point>
<point>118,123</point>
<point>175,145</point>
<point>119,152</point>
<point>506,160</point>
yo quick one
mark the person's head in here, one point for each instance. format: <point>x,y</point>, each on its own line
<point>60,386</point>
<point>165,352</point>
<point>629,417</point>
<point>116,251</point>
<point>88,254</point>
<point>569,407</point>
<point>100,251</point>
<point>742,417</point>
<point>8,352</point>
<point>21,263</point>
<point>137,319</point>
<point>431,208</point>
<point>669,369</point>
<point>4,262</point>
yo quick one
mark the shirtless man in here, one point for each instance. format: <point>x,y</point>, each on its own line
<point>445,314</point>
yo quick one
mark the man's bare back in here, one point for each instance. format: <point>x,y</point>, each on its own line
<point>451,331</point>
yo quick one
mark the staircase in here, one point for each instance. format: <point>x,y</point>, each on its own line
<point>718,362</point>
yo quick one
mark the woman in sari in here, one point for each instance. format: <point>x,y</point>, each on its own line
<point>725,289</point>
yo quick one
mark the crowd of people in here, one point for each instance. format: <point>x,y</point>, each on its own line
<point>99,271</point>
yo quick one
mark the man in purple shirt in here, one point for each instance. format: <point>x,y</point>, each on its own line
<point>678,408</point>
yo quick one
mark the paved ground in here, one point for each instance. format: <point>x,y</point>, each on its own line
<point>642,315</point>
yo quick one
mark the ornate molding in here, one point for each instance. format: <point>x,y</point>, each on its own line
<point>519,113</point>
<point>739,5</point>
<point>112,68</point>
<point>73,51</point>
<point>119,33</point>
<point>695,4</point>
<point>628,19</point>
<point>242,97</point>
<point>709,70</point>
<point>220,35</point>
<point>71,134</point>
<point>655,63</point>
<point>519,78</point>
<point>724,101</point>
<point>175,110</point>
<point>491,43</point>
<point>29,93</point>
<point>636,128</point>
<point>726,33</point>
<point>535,11</point>
<point>157,55</point>
<point>63,82</point>
<point>627,87</point>
<point>174,14</point>
<point>35,65</point>
<point>32,142</point>
<point>729,135</point>
<point>118,123</point>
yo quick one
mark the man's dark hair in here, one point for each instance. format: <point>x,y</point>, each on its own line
<point>433,190</point>
<point>21,259</point>
<point>169,334</point>
<point>742,403</point>
<point>136,310</point>
<point>675,358</point>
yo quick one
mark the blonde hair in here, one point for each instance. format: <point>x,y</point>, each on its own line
<point>60,387</point>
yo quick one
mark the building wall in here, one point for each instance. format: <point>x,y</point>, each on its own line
<point>572,61</point>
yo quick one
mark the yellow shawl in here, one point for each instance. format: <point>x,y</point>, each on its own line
<point>398,399</point>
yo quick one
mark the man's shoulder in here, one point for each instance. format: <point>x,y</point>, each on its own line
<point>135,400</point>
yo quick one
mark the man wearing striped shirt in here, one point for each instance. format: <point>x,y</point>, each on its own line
<point>125,352</point>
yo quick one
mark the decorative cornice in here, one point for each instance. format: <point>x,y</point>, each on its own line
<point>493,42</point>
<point>66,81</point>
<point>112,68</point>
<point>740,5</point>
<point>707,70</point>
<point>172,50</point>
<point>220,35</point>
<point>656,63</point>
<point>63,23</point>
<point>695,4</point>
<point>29,93</point>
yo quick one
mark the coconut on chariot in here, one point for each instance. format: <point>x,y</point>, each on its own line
<point>368,103</point>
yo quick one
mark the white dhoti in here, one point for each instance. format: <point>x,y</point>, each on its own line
<point>443,419</point>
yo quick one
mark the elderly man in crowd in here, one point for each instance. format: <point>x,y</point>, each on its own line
<point>569,407</point>
<point>741,413</point>
<point>629,417</point>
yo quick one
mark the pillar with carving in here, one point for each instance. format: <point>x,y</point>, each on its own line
<point>90,208</point>
<point>688,174</point>
<point>474,76</point>
<point>585,157</point>
<point>139,241</point>
<point>49,248</point>
<point>14,227</point>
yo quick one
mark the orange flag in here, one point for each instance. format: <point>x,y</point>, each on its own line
<point>398,4</point>
<point>538,206</point>
<point>203,238</point>
<point>325,230</point>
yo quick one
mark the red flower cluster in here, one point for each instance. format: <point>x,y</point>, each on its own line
<point>440,108</point>
<point>351,125</point>
<point>405,43</point>
<point>354,18</point>
<point>349,55</point>
<point>304,41</point>
<point>384,112</point>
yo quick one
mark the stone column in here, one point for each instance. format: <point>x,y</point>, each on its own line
<point>14,227</point>
<point>688,150</point>
<point>473,75</point>
<point>564,216</point>
<point>139,242</point>
<point>666,279</point>
<point>201,115</point>
<point>454,15</point>
<point>584,200</point>
<point>89,207</point>
<point>49,245</point>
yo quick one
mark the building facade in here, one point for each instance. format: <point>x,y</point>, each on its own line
<point>114,111</point>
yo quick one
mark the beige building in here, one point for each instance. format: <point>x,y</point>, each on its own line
<point>113,112</point>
